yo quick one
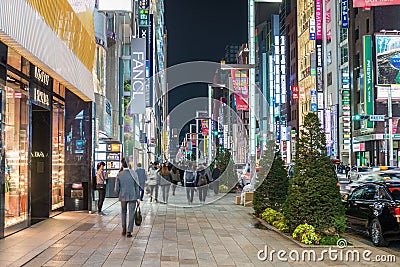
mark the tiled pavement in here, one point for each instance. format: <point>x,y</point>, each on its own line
<point>218,234</point>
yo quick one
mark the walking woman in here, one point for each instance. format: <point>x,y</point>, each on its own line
<point>176,178</point>
<point>101,185</point>
<point>165,183</point>
<point>153,181</point>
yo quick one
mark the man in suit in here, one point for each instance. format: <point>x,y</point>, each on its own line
<point>141,173</point>
<point>128,192</point>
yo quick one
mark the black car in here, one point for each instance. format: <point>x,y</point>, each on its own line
<point>374,208</point>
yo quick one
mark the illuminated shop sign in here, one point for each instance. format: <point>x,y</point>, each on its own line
<point>42,76</point>
<point>40,97</point>
<point>345,14</point>
<point>318,18</point>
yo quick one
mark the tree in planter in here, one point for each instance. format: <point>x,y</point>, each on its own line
<point>273,189</point>
<point>313,195</point>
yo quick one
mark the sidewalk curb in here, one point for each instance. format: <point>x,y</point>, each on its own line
<point>355,244</point>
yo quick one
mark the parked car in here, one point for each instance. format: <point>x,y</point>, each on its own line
<point>372,177</point>
<point>374,209</point>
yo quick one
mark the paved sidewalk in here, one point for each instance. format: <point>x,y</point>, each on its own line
<point>218,234</point>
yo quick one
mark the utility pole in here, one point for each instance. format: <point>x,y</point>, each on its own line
<point>390,126</point>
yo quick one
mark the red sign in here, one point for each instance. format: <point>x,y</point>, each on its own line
<point>363,3</point>
<point>295,92</point>
<point>240,84</point>
<point>204,127</point>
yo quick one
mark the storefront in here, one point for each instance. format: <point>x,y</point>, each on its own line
<point>32,127</point>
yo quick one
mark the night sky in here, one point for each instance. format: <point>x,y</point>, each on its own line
<point>200,30</point>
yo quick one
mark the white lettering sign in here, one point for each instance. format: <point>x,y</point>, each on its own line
<point>42,76</point>
<point>41,97</point>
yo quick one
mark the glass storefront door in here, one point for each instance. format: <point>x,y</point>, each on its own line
<point>15,135</point>
<point>58,150</point>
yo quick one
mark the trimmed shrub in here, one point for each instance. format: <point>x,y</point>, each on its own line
<point>272,192</point>
<point>313,196</point>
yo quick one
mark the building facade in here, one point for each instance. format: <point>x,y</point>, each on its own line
<point>46,109</point>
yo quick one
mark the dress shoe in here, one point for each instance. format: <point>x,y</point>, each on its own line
<point>124,232</point>
<point>129,234</point>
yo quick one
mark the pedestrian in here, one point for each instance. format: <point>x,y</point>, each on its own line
<point>189,182</point>
<point>141,173</point>
<point>208,171</point>
<point>347,170</point>
<point>215,177</point>
<point>165,182</point>
<point>153,182</point>
<point>128,192</point>
<point>175,179</point>
<point>202,185</point>
<point>101,186</point>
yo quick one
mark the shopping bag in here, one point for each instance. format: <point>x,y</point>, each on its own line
<point>138,216</point>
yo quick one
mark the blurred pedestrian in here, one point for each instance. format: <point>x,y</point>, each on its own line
<point>215,177</point>
<point>141,173</point>
<point>153,182</point>
<point>202,185</point>
<point>175,179</point>
<point>189,182</point>
<point>165,182</point>
<point>128,192</point>
<point>101,186</point>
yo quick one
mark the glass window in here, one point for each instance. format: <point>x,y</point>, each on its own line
<point>369,192</point>
<point>357,194</point>
<point>15,136</point>
<point>14,59</point>
<point>58,148</point>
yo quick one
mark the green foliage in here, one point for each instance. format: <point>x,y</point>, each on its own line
<point>223,188</point>
<point>305,233</point>
<point>226,165</point>
<point>329,240</point>
<point>272,191</point>
<point>275,218</point>
<point>313,195</point>
<point>281,226</point>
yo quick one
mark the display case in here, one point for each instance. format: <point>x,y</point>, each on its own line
<point>110,153</point>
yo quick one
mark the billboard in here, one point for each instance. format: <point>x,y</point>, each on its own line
<point>240,87</point>
<point>387,59</point>
<point>363,3</point>
<point>115,5</point>
<point>368,79</point>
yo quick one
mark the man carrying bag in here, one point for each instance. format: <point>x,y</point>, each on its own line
<point>128,192</point>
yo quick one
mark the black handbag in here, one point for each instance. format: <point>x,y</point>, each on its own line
<point>138,216</point>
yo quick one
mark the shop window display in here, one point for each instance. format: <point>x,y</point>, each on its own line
<point>15,136</point>
<point>58,149</point>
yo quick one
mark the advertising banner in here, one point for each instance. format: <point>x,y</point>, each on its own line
<point>318,19</point>
<point>345,14</point>
<point>138,76</point>
<point>388,59</point>
<point>368,84</point>
<point>363,3</point>
<point>240,87</point>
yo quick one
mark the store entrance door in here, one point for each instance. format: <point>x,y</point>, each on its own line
<point>40,164</point>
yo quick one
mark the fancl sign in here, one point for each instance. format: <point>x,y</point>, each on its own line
<point>138,75</point>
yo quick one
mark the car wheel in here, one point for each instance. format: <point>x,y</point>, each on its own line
<point>375,231</point>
